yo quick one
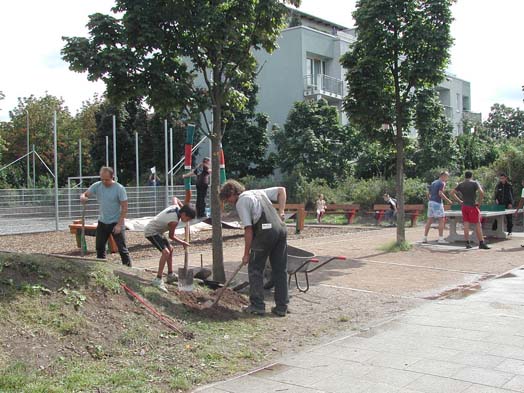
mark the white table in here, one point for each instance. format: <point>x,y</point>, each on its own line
<point>490,216</point>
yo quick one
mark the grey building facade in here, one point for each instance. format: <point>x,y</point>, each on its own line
<point>307,66</point>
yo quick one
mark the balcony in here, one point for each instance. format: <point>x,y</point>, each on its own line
<point>323,86</point>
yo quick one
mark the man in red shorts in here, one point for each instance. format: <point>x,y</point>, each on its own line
<point>470,208</point>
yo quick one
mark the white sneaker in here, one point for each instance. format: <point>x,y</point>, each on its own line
<point>425,239</point>
<point>158,283</point>
<point>442,241</point>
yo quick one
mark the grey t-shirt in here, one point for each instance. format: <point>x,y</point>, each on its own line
<point>468,189</point>
<point>160,224</point>
<point>249,208</point>
<point>109,199</point>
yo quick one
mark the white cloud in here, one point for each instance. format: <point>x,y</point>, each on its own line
<point>487,50</point>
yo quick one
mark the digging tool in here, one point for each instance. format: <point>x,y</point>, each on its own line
<point>185,275</point>
<point>220,292</point>
<point>202,273</point>
<point>83,244</point>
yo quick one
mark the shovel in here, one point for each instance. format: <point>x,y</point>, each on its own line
<point>83,244</point>
<point>203,273</point>
<point>220,292</point>
<point>185,275</point>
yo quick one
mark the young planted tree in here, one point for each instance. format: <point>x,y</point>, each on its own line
<point>181,56</point>
<point>402,46</point>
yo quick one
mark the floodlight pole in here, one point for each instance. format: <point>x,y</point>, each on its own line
<point>166,163</point>
<point>55,139</point>
<point>114,148</point>
<point>27,140</point>
<point>107,150</point>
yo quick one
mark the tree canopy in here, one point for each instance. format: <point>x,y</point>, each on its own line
<point>401,47</point>
<point>181,56</point>
<point>505,122</point>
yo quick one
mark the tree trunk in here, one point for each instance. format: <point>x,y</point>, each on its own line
<point>216,213</point>
<point>399,177</point>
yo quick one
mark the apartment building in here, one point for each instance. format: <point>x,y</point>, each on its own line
<point>306,66</point>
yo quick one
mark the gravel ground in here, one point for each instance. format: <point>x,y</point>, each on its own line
<point>63,242</point>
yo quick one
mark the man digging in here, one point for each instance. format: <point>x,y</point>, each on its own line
<point>265,235</point>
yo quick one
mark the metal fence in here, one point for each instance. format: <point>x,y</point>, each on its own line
<point>33,209</point>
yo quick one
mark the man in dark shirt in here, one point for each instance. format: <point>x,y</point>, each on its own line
<point>202,173</point>
<point>504,197</point>
<point>470,208</point>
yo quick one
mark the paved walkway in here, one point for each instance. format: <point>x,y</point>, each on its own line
<point>470,345</point>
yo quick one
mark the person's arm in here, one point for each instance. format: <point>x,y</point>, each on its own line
<point>177,202</point>
<point>496,194</point>
<point>172,226</point>
<point>248,239</point>
<point>454,195</point>
<point>521,203</point>
<point>511,200</point>
<point>84,197</point>
<point>442,194</point>
<point>189,174</point>
<point>281,198</point>
<point>481,195</point>
<point>122,218</point>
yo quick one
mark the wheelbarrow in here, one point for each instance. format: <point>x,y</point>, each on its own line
<point>302,261</point>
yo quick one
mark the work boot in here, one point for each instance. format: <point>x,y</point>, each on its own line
<point>254,311</point>
<point>171,278</point>
<point>279,312</point>
<point>158,283</point>
<point>484,246</point>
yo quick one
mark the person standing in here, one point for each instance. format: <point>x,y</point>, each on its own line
<point>504,197</point>
<point>470,208</point>
<point>167,220</point>
<point>265,236</point>
<point>203,174</point>
<point>112,198</point>
<point>321,207</point>
<point>436,207</point>
<point>391,214</point>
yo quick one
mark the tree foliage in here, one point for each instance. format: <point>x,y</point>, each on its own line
<point>314,144</point>
<point>160,50</point>
<point>505,122</point>
<point>401,47</point>
<point>437,147</point>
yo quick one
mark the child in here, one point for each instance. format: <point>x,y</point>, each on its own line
<point>321,207</point>
<point>167,220</point>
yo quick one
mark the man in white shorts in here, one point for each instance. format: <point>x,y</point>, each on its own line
<point>167,220</point>
<point>436,207</point>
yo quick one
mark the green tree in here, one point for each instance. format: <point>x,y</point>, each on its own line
<point>476,150</point>
<point>157,49</point>
<point>40,112</point>
<point>505,122</point>
<point>437,147</point>
<point>314,143</point>
<point>401,47</point>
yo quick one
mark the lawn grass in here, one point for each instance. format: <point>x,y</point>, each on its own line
<point>393,246</point>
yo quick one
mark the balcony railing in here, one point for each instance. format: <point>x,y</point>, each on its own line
<point>323,84</point>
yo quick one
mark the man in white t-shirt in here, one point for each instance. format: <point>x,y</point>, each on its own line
<point>167,220</point>
<point>265,236</point>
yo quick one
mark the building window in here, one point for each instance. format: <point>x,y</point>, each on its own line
<point>314,68</point>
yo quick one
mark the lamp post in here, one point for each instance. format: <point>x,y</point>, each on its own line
<point>27,140</point>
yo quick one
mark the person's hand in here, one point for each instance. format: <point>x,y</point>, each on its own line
<point>117,229</point>
<point>282,216</point>
<point>510,206</point>
<point>516,212</point>
<point>83,198</point>
<point>184,244</point>
<point>245,259</point>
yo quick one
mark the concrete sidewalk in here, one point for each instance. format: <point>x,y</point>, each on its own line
<point>472,345</point>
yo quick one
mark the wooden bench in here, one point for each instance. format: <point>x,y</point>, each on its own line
<point>348,210</point>
<point>410,211</point>
<point>89,230</point>
<point>298,213</point>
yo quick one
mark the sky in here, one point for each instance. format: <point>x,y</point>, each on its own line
<point>487,50</point>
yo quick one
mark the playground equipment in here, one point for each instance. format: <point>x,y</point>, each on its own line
<point>185,275</point>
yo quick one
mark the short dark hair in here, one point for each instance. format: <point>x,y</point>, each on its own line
<point>230,188</point>
<point>468,174</point>
<point>188,210</point>
<point>503,174</point>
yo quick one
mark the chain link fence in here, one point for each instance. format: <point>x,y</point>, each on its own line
<point>33,209</point>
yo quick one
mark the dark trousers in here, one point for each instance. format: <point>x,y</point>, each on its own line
<point>277,254</point>
<point>102,235</point>
<point>201,200</point>
<point>509,220</point>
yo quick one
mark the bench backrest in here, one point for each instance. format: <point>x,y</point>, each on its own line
<point>406,207</point>
<point>342,206</point>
